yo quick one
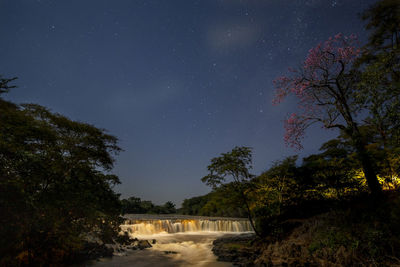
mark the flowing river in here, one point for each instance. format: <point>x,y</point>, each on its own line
<point>180,240</point>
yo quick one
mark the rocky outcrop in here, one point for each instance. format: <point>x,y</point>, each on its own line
<point>125,242</point>
<point>92,251</point>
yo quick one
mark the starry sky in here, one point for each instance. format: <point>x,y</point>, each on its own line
<point>177,81</point>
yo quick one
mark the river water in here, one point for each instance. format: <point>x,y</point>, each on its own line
<point>180,241</point>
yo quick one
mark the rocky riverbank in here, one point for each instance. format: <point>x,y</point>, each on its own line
<point>236,249</point>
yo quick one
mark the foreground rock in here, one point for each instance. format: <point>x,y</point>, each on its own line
<point>92,251</point>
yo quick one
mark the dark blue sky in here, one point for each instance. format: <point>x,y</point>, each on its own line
<point>178,82</point>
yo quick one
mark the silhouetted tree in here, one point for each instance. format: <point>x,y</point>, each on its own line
<point>236,166</point>
<point>55,184</point>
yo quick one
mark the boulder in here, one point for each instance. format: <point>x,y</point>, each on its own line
<point>142,244</point>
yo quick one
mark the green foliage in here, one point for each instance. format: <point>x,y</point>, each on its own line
<point>221,202</point>
<point>194,205</point>
<point>55,184</point>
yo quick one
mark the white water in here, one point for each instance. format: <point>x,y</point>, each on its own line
<point>179,241</point>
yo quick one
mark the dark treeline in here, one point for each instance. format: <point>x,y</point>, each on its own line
<point>135,205</point>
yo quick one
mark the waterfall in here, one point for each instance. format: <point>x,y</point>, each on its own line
<point>178,224</point>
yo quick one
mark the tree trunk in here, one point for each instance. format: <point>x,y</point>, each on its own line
<point>367,163</point>
<point>244,198</point>
<point>251,219</point>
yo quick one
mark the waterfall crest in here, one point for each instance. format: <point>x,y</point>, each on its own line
<point>149,226</point>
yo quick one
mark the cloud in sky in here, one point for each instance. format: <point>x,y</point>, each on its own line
<point>231,35</point>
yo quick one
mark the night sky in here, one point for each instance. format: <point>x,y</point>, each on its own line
<point>178,82</point>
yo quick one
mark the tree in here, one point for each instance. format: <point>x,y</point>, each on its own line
<point>380,78</point>
<point>55,184</point>
<point>326,86</point>
<point>235,165</point>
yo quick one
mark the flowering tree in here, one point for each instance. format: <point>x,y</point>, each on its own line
<point>325,86</point>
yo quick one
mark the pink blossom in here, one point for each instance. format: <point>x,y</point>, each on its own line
<point>294,131</point>
<point>324,63</point>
